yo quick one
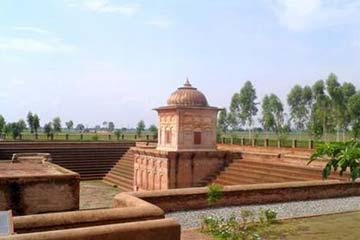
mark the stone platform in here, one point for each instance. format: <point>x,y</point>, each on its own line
<point>28,187</point>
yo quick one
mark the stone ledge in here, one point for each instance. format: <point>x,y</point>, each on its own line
<point>161,229</point>
<point>129,209</point>
<point>196,198</point>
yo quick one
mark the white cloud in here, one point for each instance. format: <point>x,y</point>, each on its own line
<point>103,6</point>
<point>160,22</point>
<point>31,45</point>
<point>31,29</point>
<point>303,15</point>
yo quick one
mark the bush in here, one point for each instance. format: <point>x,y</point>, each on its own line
<point>214,193</point>
<point>233,229</point>
<point>95,138</point>
<point>341,156</point>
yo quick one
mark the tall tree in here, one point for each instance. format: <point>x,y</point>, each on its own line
<point>335,92</point>
<point>80,127</point>
<point>30,121</point>
<point>154,130</point>
<point>15,128</point>
<point>36,123</point>
<point>223,121</point>
<point>56,123</point>
<point>299,100</point>
<point>105,124</point>
<point>69,125</point>
<point>320,117</point>
<point>48,129</point>
<point>243,106</point>
<point>354,110</point>
<point>111,126</point>
<point>140,128</point>
<point>2,125</point>
<point>348,90</point>
<point>272,114</point>
<point>22,125</point>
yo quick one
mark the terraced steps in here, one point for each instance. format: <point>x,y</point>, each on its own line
<point>91,160</point>
<point>253,169</point>
<point>122,174</point>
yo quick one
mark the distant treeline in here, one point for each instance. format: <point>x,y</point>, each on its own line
<point>326,107</point>
<point>32,126</point>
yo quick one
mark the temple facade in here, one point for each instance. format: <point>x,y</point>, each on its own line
<point>186,154</point>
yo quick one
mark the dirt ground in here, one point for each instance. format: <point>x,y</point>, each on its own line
<point>96,194</point>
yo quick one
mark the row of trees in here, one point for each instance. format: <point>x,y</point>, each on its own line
<point>55,126</point>
<point>325,107</point>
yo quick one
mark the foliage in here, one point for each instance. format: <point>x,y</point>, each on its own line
<point>140,128</point>
<point>354,111</point>
<point>2,124</point>
<point>341,156</point>
<point>243,227</point>
<point>69,125</point>
<point>33,121</point>
<point>154,130</point>
<point>36,123</point>
<point>15,128</point>
<point>30,120</point>
<point>223,121</point>
<point>48,129</point>
<point>111,126</point>
<point>118,134</point>
<point>56,124</point>
<point>299,100</point>
<point>95,138</point>
<point>80,127</point>
<point>243,105</point>
<point>272,113</point>
<point>215,193</point>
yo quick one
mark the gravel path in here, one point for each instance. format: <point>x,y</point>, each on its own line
<point>191,219</point>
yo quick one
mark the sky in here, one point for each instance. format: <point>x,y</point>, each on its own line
<point>111,60</point>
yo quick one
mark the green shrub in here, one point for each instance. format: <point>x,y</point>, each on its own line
<point>341,156</point>
<point>215,193</point>
<point>246,229</point>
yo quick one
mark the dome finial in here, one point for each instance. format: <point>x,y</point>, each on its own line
<point>187,83</point>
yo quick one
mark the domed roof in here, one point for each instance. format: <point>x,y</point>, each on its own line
<point>187,96</point>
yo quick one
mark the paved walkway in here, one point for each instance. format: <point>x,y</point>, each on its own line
<point>192,219</point>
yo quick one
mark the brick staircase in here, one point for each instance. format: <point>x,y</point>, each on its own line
<point>91,160</point>
<point>255,168</point>
<point>122,174</point>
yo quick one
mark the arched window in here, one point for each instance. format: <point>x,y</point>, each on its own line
<point>168,136</point>
<point>197,138</point>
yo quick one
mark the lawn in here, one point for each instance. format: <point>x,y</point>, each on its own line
<point>343,226</point>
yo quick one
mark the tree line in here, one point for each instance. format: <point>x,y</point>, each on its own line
<point>32,124</point>
<point>327,106</point>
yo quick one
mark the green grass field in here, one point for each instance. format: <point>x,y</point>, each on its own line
<point>343,226</point>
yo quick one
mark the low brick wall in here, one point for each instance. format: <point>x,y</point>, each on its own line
<point>128,209</point>
<point>196,198</point>
<point>25,193</point>
<point>132,218</point>
<point>163,229</point>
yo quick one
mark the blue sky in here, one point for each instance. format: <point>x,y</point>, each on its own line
<point>97,60</point>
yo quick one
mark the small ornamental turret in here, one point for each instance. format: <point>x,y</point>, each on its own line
<point>187,123</point>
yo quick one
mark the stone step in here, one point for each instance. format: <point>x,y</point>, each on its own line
<point>266,175</point>
<point>287,171</point>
